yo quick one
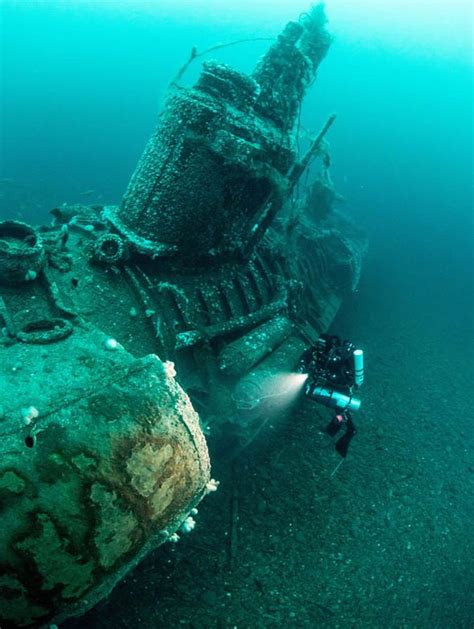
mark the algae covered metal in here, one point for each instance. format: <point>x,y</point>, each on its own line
<point>120,324</point>
<point>102,459</point>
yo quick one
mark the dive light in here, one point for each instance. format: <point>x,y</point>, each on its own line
<point>332,398</point>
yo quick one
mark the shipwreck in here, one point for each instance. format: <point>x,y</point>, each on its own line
<point>133,336</point>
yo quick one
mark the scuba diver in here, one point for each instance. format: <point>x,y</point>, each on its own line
<point>335,369</point>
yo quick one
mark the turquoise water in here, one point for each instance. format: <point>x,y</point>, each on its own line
<point>82,84</point>
<point>81,87</point>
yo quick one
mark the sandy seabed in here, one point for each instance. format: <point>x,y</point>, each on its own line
<point>386,541</point>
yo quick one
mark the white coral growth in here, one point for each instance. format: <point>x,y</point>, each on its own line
<point>212,485</point>
<point>170,371</point>
<point>188,525</point>
<point>29,414</point>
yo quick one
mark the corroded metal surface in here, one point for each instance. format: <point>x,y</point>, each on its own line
<point>222,151</point>
<point>102,458</point>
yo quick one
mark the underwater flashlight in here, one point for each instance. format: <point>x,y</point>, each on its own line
<point>332,398</point>
<point>358,367</point>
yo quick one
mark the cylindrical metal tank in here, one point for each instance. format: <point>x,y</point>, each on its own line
<point>241,355</point>
<point>102,459</point>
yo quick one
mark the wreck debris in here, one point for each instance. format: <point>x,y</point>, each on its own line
<point>300,167</point>
<point>21,252</point>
